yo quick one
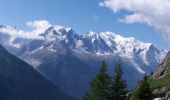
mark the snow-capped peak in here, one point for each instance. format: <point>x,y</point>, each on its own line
<point>119,43</point>
<point>108,34</point>
<point>58,28</point>
<point>92,34</point>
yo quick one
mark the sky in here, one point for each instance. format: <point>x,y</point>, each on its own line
<point>143,19</point>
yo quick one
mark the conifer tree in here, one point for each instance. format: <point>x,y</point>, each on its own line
<point>143,91</point>
<point>100,85</point>
<point>119,86</point>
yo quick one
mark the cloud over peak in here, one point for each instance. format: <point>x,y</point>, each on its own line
<point>37,27</point>
<point>154,13</point>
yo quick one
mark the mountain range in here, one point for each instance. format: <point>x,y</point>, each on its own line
<point>70,60</point>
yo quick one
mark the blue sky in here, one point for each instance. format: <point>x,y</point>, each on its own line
<point>81,15</point>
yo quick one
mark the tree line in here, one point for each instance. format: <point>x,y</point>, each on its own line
<point>113,87</point>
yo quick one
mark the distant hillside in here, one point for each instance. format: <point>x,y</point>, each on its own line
<point>19,81</point>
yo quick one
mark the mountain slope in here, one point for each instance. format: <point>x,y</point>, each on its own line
<point>164,68</point>
<point>160,80</point>
<point>19,81</point>
<point>161,77</point>
<point>64,57</point>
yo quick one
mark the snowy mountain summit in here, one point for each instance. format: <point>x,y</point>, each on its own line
<point>71,60</point>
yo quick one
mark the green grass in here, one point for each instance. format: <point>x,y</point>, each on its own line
<point>160,82</point>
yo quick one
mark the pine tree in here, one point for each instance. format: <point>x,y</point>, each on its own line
<point>119,86</point>
<point>100,85</point>
<point>143,91</point>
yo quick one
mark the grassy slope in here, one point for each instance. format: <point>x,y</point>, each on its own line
<point>160,82</point>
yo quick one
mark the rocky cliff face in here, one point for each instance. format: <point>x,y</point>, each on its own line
<point>164,68</point>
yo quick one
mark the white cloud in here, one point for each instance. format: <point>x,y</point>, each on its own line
<point>155,13</point>
<point>19,33</point>
<point>38,27</point>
